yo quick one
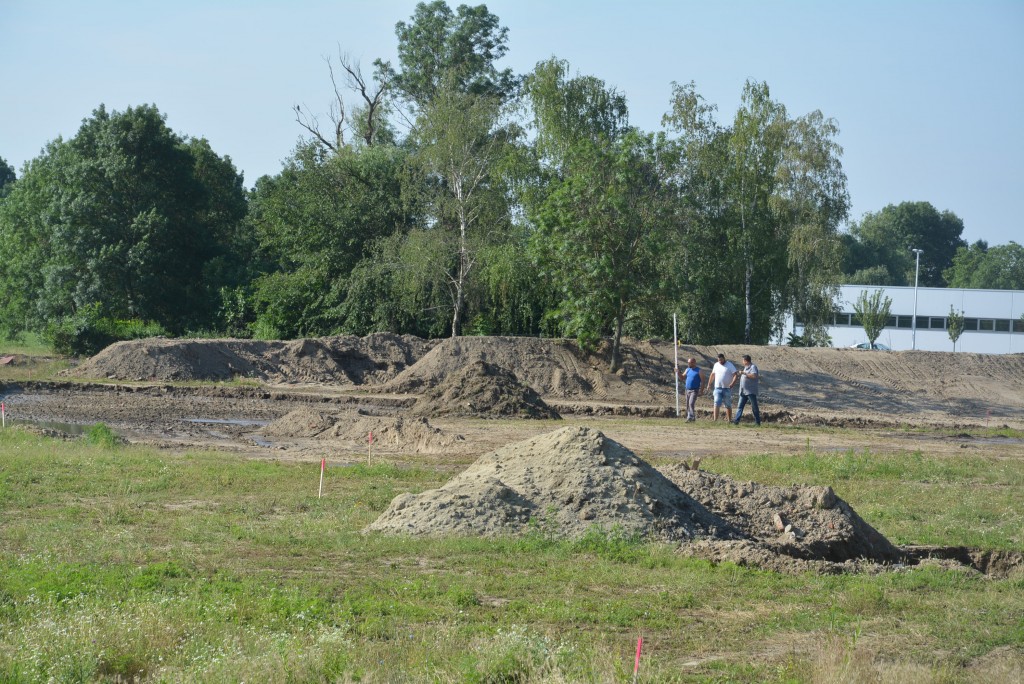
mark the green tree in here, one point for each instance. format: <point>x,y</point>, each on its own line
<point>599,233</point>
<point>886,238</point>
<point>954,325</point>
<point>461,140</point>
<point>7,177</point>
<point>873,312</point>
<point>989,268</point>
<point>600,209</point>
<point>760,205</point>
<point>315,222</point>
<point>126,214</point>
<point>443,50</point>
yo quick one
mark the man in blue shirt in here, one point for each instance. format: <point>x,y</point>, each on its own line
<point>691,376</point>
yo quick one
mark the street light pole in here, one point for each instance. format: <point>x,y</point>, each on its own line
<point>917,271</point>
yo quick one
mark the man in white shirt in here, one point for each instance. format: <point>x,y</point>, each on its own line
<point>722,378</point>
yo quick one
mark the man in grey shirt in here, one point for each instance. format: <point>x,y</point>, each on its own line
<point>749,377</point>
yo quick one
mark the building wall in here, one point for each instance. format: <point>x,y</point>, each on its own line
<point>992,317</point>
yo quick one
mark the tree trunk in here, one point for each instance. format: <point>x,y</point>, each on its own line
<point>748,328</point>
<point>617,342</point>
<point>460,281</point>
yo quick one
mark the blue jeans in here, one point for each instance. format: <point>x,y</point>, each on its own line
<point>753,406</point>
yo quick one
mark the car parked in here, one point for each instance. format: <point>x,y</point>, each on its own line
<point>866,345</point>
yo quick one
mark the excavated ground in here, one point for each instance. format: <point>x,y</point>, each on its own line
<point>444,403</point>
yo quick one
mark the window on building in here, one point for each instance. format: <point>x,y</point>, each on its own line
<point>936,323</point>
<point>855,320</point>
<point>842,319</point>
<point>986,324</point>
<point>1002,325</point>
<point>1018,325</point>
<point>890,322</point>
<point>970,324</point>
<point>905,322</point>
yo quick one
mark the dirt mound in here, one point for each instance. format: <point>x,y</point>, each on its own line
<point>566,481</point>
<point>415,435</point>
<point>399,434</point>
<point>342,360</point>
<point>748,553</point>
<point>552,368</point>
<point>302,422</point>
<point>818,386</point>
<point>483,390</point>
<point>801,522</point>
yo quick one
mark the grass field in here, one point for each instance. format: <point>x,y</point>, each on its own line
<point>125,564</point>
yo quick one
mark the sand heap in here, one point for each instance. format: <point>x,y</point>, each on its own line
<point>302,422</point>
<point>342,360</point>
<point>555,369</point>
<point>484,390</point>
<point>411,435</point>
<point>399,434</point>
<point>809,523</point>
<point>566,481</point>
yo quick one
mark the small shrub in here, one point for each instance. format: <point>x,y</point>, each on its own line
<point>102,436</point>
<point>87,332</point>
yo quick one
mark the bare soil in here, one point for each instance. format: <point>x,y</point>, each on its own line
<point>444,403</point>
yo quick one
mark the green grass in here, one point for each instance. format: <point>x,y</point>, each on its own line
<point>120,563</point>
<point>38,361</point>
<point>29,344</point>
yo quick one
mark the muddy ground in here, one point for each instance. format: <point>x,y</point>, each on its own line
<point>444,404</point>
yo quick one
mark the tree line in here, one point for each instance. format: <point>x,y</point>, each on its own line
<point>444,195</point>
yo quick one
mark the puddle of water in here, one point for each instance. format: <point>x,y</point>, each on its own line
<point>228,421</point>
<point>76,429</point>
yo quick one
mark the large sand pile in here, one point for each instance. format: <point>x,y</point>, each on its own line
<point>483,390</point>
<point>343,360</point>
<point>409,435</point>
<point>566,482</point>
<point>570,480</point>
<point>803,522</point>
<point>553,368</point>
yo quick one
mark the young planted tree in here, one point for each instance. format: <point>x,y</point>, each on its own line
<point>873,312</point>
<point>954,325</point>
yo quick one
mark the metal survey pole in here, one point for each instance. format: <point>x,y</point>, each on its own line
<point>675,349</point>
<point>917,270</point>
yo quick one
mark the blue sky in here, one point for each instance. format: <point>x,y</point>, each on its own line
<point>928,95</point>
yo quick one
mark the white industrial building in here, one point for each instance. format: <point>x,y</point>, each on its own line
<point>992,319</point>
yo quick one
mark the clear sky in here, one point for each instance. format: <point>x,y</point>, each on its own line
<point>928,95</point>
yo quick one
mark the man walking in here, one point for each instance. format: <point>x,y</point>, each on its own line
<point>691,376</point>
<point>722,378</point>
<point>748,390</point>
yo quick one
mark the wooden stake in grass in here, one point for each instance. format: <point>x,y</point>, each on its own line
<point>636,664</point>
<point>3,412</point>
<point>369,447</point>
<point>323,463</point>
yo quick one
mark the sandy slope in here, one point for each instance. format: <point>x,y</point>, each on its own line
<point>828,385</point>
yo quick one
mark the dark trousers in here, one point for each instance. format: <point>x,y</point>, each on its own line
<point>753,406</point>
<point>691,404</point>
